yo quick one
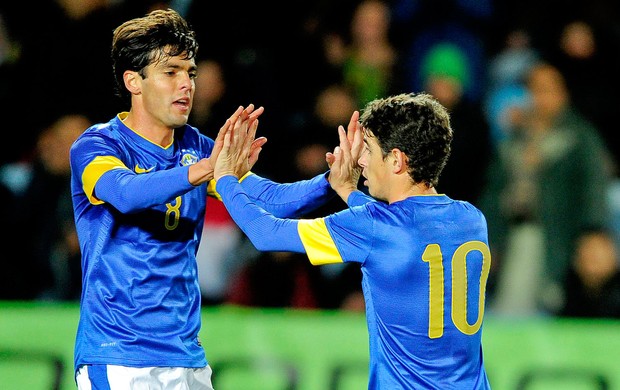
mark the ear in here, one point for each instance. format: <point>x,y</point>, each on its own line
<point>399,161</point>
<point>133,82</point>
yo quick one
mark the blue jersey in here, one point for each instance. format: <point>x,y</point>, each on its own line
<point>425,261</point>
<point>140,302</point>
<point>139,233</point>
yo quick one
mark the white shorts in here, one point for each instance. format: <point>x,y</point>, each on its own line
<point>110,377</point>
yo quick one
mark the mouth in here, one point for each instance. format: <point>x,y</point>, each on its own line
<point>183,103</point>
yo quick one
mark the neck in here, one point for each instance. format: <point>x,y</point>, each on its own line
<point>413,190</point>
<point>154,132</point>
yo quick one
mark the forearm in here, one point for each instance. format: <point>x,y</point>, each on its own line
<point>266,232</point>
<point>288,200</point>
<point>129,192</point>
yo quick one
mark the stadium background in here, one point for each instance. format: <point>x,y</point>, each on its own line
<point>277,348</point>
<point>288,349</point>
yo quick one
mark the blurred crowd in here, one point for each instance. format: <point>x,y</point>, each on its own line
<point>530,86</point>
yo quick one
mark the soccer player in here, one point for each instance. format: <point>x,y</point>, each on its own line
<point>139,189</point>
<point>424,257</point>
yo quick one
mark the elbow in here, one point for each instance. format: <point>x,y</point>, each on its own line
<point>125,205</point>
<point>260,245</point>
<point>125,209</point>
<point>261,242</point>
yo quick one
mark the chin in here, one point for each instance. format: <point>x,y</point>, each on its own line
<point>179,122</point>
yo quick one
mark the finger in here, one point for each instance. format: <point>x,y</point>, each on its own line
<point>353,125</point>
<point>240,116</point>
<point>226,144</point>
<point>233,118</point>
<point>252,119</point>
<point>256,113</point>
<point>220,134</point>
<point>240,121</point>
<point>219,140</point>
<point>260,141</point>
<point>255,149</point>
<point>329,159</point>
<point>249,137</point>
<point>254,157</point>
<point>248,110</point>
<point>344,143</point>
<point>247,117</point>
<point>358,144</point>
<point>243,117</point>
<point>337,157</point>
<point>253,128</point>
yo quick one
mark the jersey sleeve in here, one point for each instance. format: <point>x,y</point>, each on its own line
<point>288,200</point>
<point>358,198</point>
<point>350,233</point>
<point>125,190</point>
<point>344,236</point>
<point>105,178</point>
<point>267,232</point>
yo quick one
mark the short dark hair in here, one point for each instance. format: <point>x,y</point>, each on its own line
<point>142,41</point>
<point>417,125</point>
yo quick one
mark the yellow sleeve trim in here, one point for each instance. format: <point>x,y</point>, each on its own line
<point>211,186</point>
<point>248,173</point>
<point>94,170</point>
<point>211,190</point>
<point>317,241</point>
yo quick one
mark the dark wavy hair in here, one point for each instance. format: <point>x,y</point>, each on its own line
<point>140,42</point>
<point>417,125</point>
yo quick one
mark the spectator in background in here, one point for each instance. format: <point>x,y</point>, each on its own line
<point>514,59</point>
<point>261,66</point>
<point>587,58</point>
<point>330,110</point>
<point>593,280</point>
<point>424,24</point>
<point>548,181</point>
<point>47,263</point>
<point>506,96</point>
<point>367,58</point>
<point>447,73</point>
<point>45,35</point>
<point>212,99</point>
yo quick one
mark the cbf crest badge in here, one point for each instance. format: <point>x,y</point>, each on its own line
<point>188,157</point>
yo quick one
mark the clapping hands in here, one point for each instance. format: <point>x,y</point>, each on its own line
<point>236,149</point>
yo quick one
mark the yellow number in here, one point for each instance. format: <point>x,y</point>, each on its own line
<point>173,214</point>
<point>433,256</point>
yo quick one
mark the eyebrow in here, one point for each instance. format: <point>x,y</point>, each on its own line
<point>168,63</point>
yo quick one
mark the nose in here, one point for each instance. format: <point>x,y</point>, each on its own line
<point>187,82</point>
<point>361,161</point>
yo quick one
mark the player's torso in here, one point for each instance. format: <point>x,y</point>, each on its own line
<point>425,281</point>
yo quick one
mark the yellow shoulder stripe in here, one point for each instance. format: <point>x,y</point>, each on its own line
<point>94,170</point>
<point>317,241</point>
